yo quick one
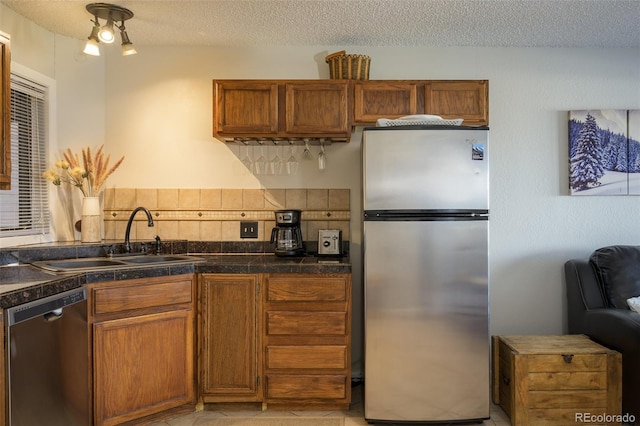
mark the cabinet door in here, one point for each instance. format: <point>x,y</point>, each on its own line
<point>316,108</point>
<point>5,112</point>
<point>467,99</point>
<point>230,338</point>
<point>243,107</point>
<point>142,365</point>
<point>382,99</point>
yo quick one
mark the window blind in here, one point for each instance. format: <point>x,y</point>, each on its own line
<point>24,210</point>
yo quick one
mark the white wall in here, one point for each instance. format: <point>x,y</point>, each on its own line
<point>78,105</point>
<point>157,112</point>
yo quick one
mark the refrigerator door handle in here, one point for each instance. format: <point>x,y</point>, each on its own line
<point>425,215</point>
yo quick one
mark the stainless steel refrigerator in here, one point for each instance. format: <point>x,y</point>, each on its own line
<point>426,286</point>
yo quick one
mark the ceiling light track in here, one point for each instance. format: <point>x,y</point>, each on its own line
<point>112,14</point>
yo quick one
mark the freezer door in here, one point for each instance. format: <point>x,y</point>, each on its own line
<point>425,169</point>
<point>426,321</point>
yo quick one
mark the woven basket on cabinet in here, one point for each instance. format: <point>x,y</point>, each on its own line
<point>348,67</point>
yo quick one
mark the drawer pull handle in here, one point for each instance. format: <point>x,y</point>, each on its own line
<point>506,380</point>
<point>567,358</point>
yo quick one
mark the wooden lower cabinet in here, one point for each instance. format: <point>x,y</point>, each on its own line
<point>143,347</point>
<point>283,340</point>
<point>307,341</point>
<point>230,336</point>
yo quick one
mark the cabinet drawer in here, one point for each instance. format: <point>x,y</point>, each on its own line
<point>307,357</point>
<point>143,293</point>
<point>300,289</point>
<point>306,323</point>
<point>306,386</point>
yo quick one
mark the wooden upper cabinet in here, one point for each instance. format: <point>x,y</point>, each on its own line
<point>329,108</point>
<point>467,99</point>
<point>281,109</point>
<point>384,99</point>
<point>245,107</point>
<point>5,112</point>
<point>317,108</point>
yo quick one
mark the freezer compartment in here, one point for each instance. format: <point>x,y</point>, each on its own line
<point>426,320</point>
<point>425,169</point>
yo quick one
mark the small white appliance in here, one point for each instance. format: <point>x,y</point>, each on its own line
<point>329,242</point>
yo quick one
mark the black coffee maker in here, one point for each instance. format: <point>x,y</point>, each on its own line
<point>287,234</point>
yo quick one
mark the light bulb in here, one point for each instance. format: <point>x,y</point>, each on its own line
<point>106,34</point>
<point>127,46</point>
<point>128,49</point>
<point>92,48</point>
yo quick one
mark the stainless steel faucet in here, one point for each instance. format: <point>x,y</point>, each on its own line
<point>127,244</point>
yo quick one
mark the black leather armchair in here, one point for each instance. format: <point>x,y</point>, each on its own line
<point>595,291</point>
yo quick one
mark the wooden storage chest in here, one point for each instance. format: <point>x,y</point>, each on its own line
<point>556,380</point>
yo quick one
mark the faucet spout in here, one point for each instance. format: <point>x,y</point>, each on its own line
<point>127,243</point>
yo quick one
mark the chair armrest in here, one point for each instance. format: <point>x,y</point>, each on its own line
<point>618,329</point>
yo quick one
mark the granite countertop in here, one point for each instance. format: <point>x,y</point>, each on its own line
<point>269,263</point>
<point>21,283</point>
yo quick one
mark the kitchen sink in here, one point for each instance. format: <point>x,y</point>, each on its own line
<point>154,259</point>
<point>75,264</point>
<point>99,263</point>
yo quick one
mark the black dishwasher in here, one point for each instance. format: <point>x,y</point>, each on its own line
<point>48,361</point>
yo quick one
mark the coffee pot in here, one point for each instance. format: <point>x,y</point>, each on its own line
<point>287,235</point>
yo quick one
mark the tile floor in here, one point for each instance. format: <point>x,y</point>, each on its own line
<point>353,417</point>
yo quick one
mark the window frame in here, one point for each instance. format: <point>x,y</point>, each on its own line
<point>50,146</point>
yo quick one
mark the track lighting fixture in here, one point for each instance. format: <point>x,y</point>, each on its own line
<point>106,34</point>
<point>113,14</point>
<point>127,46</point>
<point>92,47</point>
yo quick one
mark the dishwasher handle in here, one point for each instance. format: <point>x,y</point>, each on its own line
<point>56,314</point>
<point>50,307</point>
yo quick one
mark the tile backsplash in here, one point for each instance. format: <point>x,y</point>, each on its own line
<point>215,214</point>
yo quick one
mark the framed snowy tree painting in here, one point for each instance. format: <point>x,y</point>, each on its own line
<point>633,119</point>
<point>601,157</point>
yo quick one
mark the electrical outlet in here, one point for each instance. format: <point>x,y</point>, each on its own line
<point>248,229</point>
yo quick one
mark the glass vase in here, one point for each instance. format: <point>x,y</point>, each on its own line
<point>90,228</point>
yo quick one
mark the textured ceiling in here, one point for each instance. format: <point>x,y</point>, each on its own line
<point>536,23</point>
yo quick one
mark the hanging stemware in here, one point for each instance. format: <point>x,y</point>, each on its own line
<point>274,164</point>
<point>306,154</point>
<point>261,162</point>
<point>322,157</point>
<point>246,158</point>
<point>292,162</point>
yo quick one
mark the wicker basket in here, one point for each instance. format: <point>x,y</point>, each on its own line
<point>349,67</point>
